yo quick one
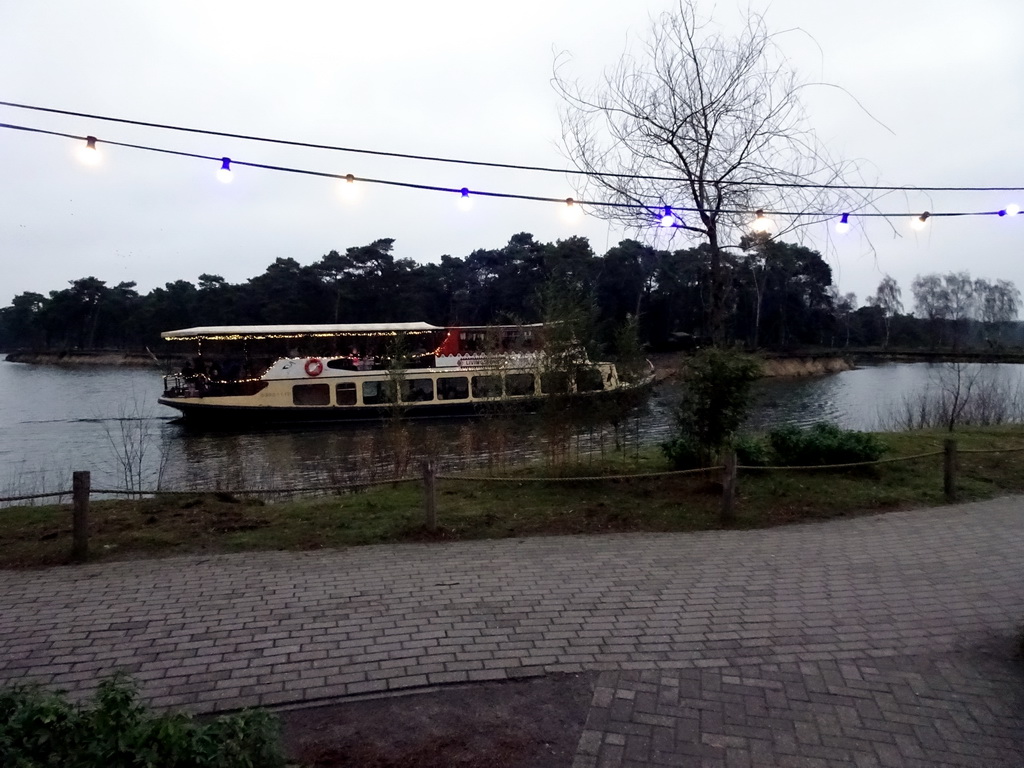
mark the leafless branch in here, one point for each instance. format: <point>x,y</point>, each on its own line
<point>722,116</point>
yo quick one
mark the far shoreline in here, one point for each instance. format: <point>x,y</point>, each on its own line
<point>107,358</point>
<point>793,363</point>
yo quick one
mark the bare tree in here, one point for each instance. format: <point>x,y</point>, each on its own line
<point>959,394</point>
<point>956,382</point>
<point>843,305</point>
<point>956,298</point>
<point>962,301</point>
<point>1005,301</point>
<point>931,302</point>
<point>887,298</point>
<point>134,434</point>
<point>756,259</point>
<point>984,300</point>
<point>702,128</point>
<point>996,303</point>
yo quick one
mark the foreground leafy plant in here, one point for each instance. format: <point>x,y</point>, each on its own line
<point>716,398</point>
<point>39,728</point>
<point>823,443</point>
<point>753,451</point>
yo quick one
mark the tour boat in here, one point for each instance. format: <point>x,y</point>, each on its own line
<point>342,372</point>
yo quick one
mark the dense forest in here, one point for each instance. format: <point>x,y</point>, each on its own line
<point>779,295</point>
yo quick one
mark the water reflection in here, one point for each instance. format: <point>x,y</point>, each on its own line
<point>55,420</point>
<point>869,397</point>
<point>339,454</point>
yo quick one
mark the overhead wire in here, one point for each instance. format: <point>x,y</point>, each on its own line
<point>654,210</point>
<point>490,164</point>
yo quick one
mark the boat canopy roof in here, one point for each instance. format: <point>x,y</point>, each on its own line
<point>495,326</point>
<point>243,332</point>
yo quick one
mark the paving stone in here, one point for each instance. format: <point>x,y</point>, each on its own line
<point>879,640</point>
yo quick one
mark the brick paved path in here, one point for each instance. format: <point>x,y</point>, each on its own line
<point>883,640</point>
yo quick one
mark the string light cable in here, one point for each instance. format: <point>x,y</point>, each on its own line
<point>489,164</point>
<point>658,213</point>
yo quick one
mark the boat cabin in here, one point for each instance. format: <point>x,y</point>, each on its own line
<point>354,370</point>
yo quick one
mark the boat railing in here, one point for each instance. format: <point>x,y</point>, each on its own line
<point>175,385</point>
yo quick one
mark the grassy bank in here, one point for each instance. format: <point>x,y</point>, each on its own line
<point>35,536</point>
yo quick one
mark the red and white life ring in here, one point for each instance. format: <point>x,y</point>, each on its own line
<point>314,367</point>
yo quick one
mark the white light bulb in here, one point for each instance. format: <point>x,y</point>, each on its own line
<point>465,201</point>
<point>919,222</point>
<point>1012,209</point>
<point>348,189</point>
<point>572,213</point>
<point>761,222</point>
<point>843,225</point>
<point>88,154</point>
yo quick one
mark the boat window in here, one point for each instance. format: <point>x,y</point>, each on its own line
<point>378,392</point>
<point>311,394</point>
<point>343,364</point>
<point>486,386</point>
<point>346,393</point>
<point>417,390</point>
<point>554,382</point>
<point>452,388</point>
<point>472,341</point>
<point>519,384</point>
<point>589,380</point>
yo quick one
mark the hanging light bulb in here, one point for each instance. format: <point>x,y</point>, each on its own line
<point>919,222</point>
<point>89,154</point>
<point>1011,210</point>
<point>465,202</point>
<point>761,222</point>
<point>667,218</point>
<point>843,225</point>
<point>348,189</point>
<point>224,173</point>
<point>572,212</point>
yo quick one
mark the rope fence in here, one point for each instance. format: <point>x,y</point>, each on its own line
<point>991,450</point>
<point>81,485</point>
<point>235,491</point>
<point>31,496</point>
<point>257,491</point>
<point>577,478</point>
<point>851,465</point>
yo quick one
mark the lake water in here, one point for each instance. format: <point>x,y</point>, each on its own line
<point>54,420</point>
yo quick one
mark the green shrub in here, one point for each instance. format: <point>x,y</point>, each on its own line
<point>716,398</point>
<point>753,452</point>
<point>40,728</point>
<point>683,452</point>
<point>823,443</point>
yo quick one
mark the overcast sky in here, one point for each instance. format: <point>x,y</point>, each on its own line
<point>454,78</point>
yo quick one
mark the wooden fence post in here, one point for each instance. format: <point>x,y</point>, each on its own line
<point>950,469</point>
<point>729,489</point>
<point>430,494</point>
<point>81,483</point>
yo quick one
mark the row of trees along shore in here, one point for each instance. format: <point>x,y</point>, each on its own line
<point>779,296</point>
<point>696,117</point>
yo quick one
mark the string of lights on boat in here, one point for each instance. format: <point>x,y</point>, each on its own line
<point>668,216</point>
<point>293,335</point>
